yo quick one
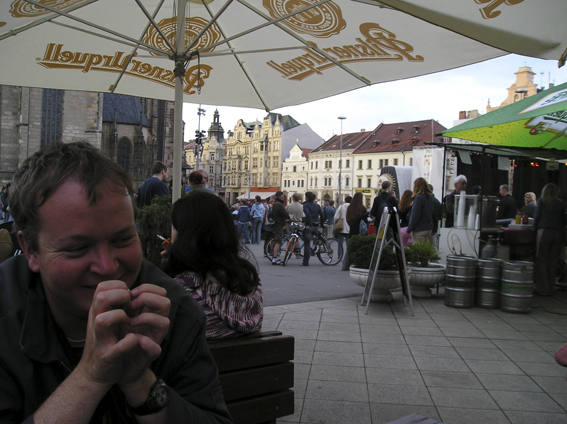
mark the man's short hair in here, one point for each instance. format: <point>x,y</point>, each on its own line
<point>505,187</point>
<point>310,196</point>
<point>296,197</point>
<point>348,199</point>
<point>258,198</point>
<point>158,167</point>
<point>331,203</point>
<point>459,179</point>
<point>279,194</point>
<point>40,175</point>
<point>196,178</point>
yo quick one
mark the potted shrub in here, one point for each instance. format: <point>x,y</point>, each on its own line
<point>360,250</point>
<point>423,272</point>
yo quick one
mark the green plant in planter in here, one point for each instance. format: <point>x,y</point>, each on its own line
<point>359,253</point>
<point>421,254</point>
<point>154,220</point>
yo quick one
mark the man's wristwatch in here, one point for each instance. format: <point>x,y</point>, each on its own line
<point>156,401</point>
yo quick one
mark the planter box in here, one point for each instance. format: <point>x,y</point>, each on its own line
<point>423,279</point>
<point>385,281</point>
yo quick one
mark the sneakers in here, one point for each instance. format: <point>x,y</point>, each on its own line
<point>277,261</point>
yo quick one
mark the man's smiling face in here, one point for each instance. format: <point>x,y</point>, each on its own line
<point>82,244</point>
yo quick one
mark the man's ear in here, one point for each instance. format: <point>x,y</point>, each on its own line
<point>31,255</point>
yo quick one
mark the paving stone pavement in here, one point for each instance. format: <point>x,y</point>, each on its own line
<point>459,366</point>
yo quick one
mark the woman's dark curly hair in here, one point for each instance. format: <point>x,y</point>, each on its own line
<point>207,242</point>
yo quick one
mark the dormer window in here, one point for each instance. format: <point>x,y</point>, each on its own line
<point>400,129</point>
<point>416,128</point>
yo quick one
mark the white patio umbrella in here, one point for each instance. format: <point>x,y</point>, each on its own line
<point>253,53</point>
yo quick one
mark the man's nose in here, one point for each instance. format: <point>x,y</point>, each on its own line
<point>105,262</point>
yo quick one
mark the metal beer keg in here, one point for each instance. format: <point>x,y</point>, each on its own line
<point>460,281</point>
<point>488,283</point>
<point>517,286</point>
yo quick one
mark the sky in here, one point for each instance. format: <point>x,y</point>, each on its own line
<point>438,96</point>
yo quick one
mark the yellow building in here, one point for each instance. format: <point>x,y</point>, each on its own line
<point>522,88</point>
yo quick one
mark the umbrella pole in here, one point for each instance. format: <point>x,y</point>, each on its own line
<point>178,108</point>
<point>178,130</point>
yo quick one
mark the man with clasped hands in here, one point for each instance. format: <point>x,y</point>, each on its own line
<point>90,332</point>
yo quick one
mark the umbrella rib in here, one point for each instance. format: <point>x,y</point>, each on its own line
<point>307,44</point>
<point>211,22</point>
<point>150,22</point>
<point>107,37</point>
<point>260,97</point>
<point>91,24</point>
<point>42,20</point>
<point>275,49</point>
<point>153,22</point>
<point>266,24</point>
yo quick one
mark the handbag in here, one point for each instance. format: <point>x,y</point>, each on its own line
<point>363,228</point>
<point>340,224</point>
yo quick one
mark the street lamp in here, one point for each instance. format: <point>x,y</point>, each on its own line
<point>342,118</point>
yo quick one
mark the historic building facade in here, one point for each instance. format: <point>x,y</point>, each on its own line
<point>519,90</point>
<point>211,157</point>
<point>389,145</point>
<point>134,132</point>
<point>295,171</point>
<point>254,152</point>
<point>324,166</point>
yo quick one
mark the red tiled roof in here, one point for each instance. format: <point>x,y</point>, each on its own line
<point>305,152</point>
<point>401,136</point>
<point>350,141</point>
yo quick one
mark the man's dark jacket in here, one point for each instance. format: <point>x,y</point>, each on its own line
<point>33,362</point>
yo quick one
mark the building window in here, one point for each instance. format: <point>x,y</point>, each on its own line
<point>315,181</point>
<point>369,164</point>
<point>294,169</point>
<point>51,116</point>
<point>246,164</point>
<point>346,181</point>
<point>311,165</point>
<point>385,162</point>
<point>359,164</point>
<point>381,163</point>
<point>369,182</point>
<point>328,164</point>
<point>410,161</point>
<point>395,162</point>
<point>360,183</point>
<point>316,166</point>
<point>348,163</point>
<point>211,169</point>
<point>212,156</point>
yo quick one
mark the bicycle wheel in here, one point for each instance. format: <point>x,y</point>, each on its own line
<point>289,249</point>
<point>330,251</point>
<point>268,246</point>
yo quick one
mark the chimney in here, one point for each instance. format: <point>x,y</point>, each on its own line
<point>463,114</point>
<point>363,130</point>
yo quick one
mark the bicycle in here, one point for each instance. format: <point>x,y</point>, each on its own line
<point>292,238</point>
<point>328,251</point>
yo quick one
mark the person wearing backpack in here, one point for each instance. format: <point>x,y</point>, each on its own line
<point>257,219</point>
<point>243,218</point>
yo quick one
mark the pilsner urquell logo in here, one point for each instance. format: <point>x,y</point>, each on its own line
<point>377,44</point>
<point>321,21</point>
<point>193,29</point>
<point>23,9</point>
<point>55,57</point>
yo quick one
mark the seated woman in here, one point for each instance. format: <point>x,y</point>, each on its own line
<point>530,206</point>
<point>205,258</point>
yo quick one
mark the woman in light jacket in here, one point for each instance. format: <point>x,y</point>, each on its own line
<point>342,234</point>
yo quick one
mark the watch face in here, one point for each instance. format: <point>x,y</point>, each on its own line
<point>161,396</point>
